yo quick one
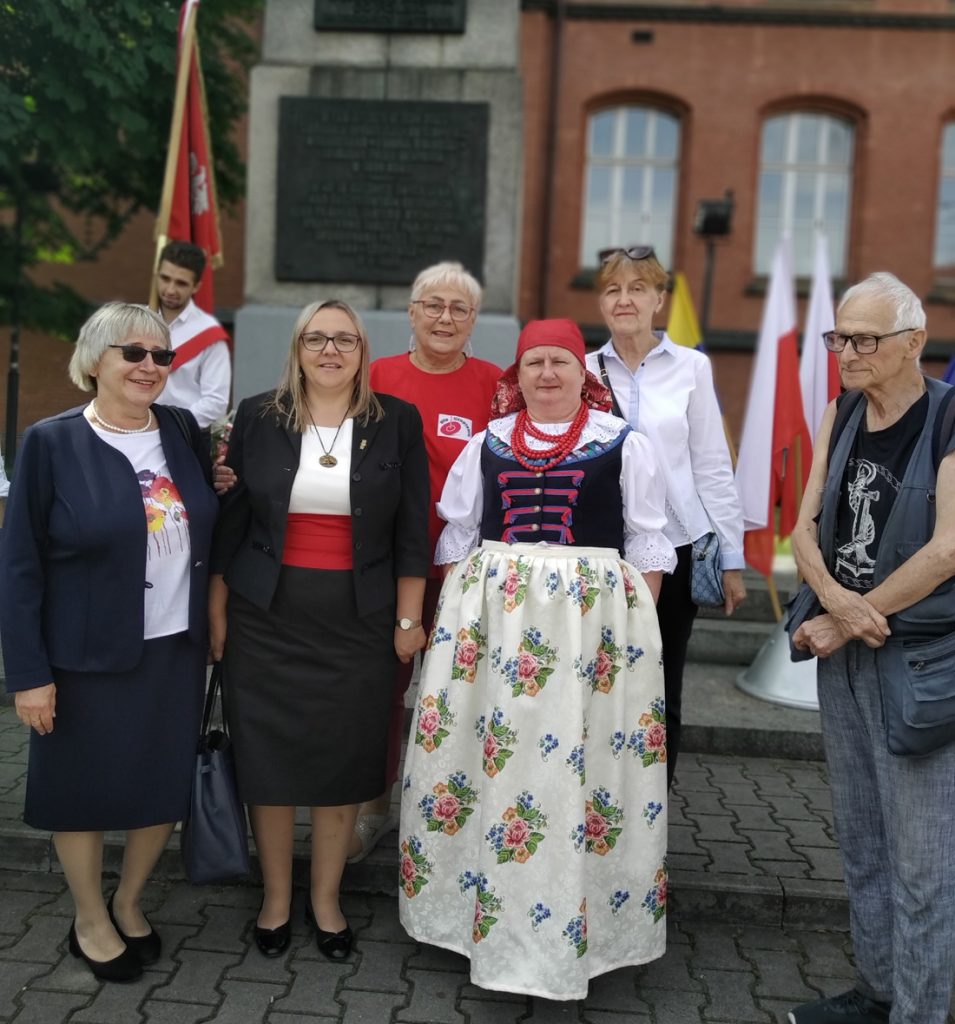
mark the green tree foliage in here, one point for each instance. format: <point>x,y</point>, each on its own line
<point>86,93</point>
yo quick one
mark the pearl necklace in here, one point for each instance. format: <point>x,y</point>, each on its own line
<point>121,430</point>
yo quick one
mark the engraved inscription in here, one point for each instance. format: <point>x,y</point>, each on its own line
<point>372,191</point>
<point>391,15</point>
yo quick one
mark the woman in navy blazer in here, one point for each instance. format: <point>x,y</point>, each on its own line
<point>323,544</point>
<point>103,610</point>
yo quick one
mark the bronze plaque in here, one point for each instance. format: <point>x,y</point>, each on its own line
<point>445,16</point>
<point>372,191</point>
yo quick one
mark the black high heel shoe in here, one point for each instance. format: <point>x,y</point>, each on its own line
<point>147,947</point>
<point>125,967</point>
<point>332,945</point>
<point>274,941</point>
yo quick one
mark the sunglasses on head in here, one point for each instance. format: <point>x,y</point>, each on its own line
<point>633,252</point>
<point>136,354</point>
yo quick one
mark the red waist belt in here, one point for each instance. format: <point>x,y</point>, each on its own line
<point>318,542</point>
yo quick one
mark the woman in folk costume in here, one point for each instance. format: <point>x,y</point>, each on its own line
<point>533,823</point>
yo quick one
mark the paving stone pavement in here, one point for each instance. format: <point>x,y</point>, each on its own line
<point>211,971</point>
<point>757,923</point>
<point>749,838</point>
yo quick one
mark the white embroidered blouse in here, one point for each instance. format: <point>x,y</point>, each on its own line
<point>642,489</point>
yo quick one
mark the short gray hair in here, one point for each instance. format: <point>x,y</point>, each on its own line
<point>447,274</point>
<point>883,285</point>
<point>112,324</point>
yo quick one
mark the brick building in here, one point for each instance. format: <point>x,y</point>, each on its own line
<point>832,114</point>
<point>836,114</point>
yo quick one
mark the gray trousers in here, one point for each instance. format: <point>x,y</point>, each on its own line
<point>895,821</point>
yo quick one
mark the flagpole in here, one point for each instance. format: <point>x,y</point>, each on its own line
<point>172,151</point>
<point>774,597</point>
<point>217,259</point>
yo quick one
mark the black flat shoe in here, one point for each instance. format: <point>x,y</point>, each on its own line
<point>332,945</point>
<point>274,941</point>
<point>147,947</point>
<point>125,967</point>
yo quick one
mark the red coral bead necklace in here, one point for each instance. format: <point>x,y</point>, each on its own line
<point>561,445</point>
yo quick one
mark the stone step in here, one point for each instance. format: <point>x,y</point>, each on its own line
<point>719,718</point>
<point>723,641</point>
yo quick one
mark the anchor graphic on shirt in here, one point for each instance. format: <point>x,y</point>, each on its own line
<point>852,557</point>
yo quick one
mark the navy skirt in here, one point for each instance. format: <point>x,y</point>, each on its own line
<point>123,746</point>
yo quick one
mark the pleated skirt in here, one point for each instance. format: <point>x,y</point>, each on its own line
<point>308,689</point>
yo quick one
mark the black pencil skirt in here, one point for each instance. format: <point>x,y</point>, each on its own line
<point>308,687</point>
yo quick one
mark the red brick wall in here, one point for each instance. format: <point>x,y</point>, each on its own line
<point>722,80</point>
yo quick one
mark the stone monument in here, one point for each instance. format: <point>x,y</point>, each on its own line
<point>384,136</point>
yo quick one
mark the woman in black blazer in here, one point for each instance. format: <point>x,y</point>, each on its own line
<point>103,610</point>
<point>319,571</point>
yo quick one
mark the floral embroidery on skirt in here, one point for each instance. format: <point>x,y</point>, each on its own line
<point>533,813</point>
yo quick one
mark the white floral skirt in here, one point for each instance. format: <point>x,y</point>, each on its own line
<point>533,821</point>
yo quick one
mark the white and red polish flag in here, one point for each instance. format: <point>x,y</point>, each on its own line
<point>775,452</point>
<point>818,368</point>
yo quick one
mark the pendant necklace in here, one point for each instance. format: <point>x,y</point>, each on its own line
<point>327,459</point>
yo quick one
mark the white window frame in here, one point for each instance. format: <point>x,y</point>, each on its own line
<point>942,260</point>
<point>822,170</point>
<point>618,162</point>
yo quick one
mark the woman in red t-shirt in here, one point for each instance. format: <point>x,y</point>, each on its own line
<point>452,390</point>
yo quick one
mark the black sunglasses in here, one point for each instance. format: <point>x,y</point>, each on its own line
<point>136,354</point>
<point>633,252</point>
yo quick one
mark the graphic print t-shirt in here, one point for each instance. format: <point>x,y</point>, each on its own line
<point>166,601</point>
<point>870,486</point>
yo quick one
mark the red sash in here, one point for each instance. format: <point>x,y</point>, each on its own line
<point>317,541</point>
<point>194,346</point>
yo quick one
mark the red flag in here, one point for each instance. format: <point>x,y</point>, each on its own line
<point>773,465</point>
<point>189,211</point>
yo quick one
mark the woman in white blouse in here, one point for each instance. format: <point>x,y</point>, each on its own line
<point>665,391</point>
<point>533,823</point>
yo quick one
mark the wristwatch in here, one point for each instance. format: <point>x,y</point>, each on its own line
<point>408,623</point>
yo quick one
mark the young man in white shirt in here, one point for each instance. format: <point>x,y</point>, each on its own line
<point>201,376</point>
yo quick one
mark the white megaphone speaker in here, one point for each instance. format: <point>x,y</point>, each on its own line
<point>773,677</point>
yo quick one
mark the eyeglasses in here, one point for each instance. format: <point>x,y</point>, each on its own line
<point>634,252</point>
<point>863,344</point>
<point>342,341</point>
<point>434,309</point>
<point>136,354</point>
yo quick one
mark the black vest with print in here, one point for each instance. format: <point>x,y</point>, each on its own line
<point>577,502</point>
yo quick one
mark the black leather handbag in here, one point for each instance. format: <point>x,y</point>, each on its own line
<point>215,837</point>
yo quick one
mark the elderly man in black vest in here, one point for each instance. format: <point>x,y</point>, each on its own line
<point>875,543</point>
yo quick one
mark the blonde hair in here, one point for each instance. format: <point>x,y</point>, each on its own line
<point>111,324</point>
<point>451,275</point>
<point>289,399</point>
<point>648,269</point>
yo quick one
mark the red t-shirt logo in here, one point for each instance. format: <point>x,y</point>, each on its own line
<point>450,425</point>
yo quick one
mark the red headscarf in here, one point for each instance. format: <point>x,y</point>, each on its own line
<point>559,333</point>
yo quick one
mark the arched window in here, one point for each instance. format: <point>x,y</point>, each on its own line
<point>630,183</point>
<point>805,181</point>
<point>945,215</point>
